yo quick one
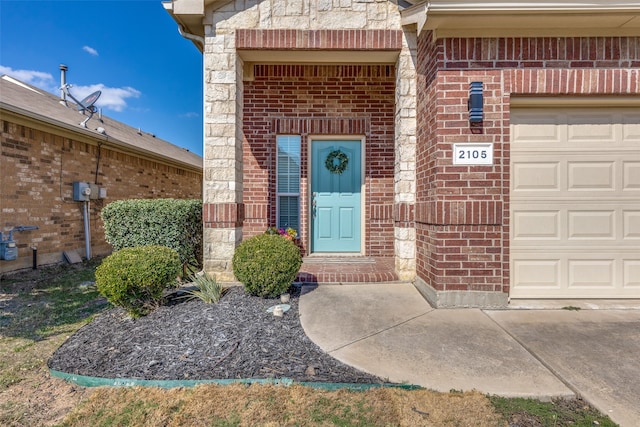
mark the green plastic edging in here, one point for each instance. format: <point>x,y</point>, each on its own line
<point>87,381</point>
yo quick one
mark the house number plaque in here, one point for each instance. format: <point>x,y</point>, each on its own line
<point>473,153</point>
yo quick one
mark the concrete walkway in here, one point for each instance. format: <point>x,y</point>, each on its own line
<point>389,330</point>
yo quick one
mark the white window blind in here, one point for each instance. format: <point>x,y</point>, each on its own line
<point>288,181</point>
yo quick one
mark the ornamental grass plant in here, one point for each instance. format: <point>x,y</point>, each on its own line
<point>207,289</point>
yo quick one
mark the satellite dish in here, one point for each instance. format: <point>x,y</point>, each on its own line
<point>86,104</point>
<point>88,101</point>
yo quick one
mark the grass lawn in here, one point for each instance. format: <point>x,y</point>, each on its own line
<point>40,308</point>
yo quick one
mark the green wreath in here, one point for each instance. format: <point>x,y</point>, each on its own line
<point>334,167</point>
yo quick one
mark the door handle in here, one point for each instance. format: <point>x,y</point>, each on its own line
<point>314,203</point>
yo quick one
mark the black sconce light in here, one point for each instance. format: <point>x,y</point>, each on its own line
<point>475,102</point>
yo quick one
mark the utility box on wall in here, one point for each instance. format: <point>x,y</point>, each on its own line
<point>8,250</point>
<point>85,191</point>
<point>81,191</point>
<point>94,191</point>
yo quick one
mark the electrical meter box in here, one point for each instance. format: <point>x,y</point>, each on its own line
<point>94,191</point>
<point>81,191</point>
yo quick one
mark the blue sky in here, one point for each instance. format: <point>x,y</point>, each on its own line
<point>149,75</point>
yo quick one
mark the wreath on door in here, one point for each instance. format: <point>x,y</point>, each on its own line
<point>336,162</point>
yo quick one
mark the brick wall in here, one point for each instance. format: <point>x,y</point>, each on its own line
<point>462,212</point>
<point>308,100</point>
<point>343,39</point>
<point>37,171</point>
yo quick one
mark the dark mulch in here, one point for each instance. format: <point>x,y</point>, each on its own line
<point>234,339</point>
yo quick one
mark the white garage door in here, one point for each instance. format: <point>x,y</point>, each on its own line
<point>575,203</point>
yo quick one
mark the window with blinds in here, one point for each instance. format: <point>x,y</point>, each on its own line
<point>288,182</point>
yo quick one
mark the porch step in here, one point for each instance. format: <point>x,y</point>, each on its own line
<point>317,269</point>
<point>339,260</point>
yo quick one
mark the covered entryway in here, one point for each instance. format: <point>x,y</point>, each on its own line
<point>346,71</point>
<point>336,193</point>
<point>575,202</point>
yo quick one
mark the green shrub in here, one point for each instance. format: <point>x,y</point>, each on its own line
<point>173,223</point>
<point>135,278</point>
<point>266,264</point>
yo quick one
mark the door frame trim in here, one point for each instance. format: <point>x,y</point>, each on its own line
<point>363,197</point>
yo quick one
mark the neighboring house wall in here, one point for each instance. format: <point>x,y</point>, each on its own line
<point>37,171</point>
<point>462,213</point>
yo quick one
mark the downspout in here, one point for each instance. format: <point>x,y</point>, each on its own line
<point>87,230</point>
<point>192,37</point>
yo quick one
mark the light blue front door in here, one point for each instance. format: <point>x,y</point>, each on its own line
<point>335,196</point>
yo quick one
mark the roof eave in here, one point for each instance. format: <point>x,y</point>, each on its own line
<point>190,15</point>
<point>544,18</point>
<point>89,135</point>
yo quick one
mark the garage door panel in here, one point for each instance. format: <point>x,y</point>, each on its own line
<point>536,225</point>
<point>631,176</point>
<point>588,224</point>
<point>575,203</point>
<point>539,127</point>
<point>567,274</point>
<point>536,274</point>
<point>631,225</point>
<point>591,176</point>
<point>576,224</point>
<point>591,273</point>
<point>631,128</point>
<point>561,173</point>
<point>631,274</point>
<point>591,127</point>
<point>536,176</point>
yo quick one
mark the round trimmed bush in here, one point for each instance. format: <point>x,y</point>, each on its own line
<point>266,264</point>
<point>135,278</point>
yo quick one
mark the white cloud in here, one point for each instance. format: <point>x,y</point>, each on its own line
<point>35,78</point>
<point>90,50</point>
<point>190,115</point>
<point>112,98</point>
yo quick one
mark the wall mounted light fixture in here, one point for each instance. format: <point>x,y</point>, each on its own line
<point>475,102</point>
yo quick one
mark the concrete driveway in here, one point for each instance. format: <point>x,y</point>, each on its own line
<point>596,353</point>
<point>391,331</point>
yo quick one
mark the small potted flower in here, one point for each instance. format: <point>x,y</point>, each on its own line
<point>288,233</point>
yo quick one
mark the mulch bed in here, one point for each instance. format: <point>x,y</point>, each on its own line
<point>190,340</point>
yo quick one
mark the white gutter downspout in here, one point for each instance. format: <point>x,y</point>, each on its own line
<point>87,230</point>
<point>192,37</point>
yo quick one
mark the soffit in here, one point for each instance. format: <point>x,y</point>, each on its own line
<point>500,18</point>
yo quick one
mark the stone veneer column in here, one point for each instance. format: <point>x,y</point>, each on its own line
<point>223,210</point>
<point>405,160</point>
